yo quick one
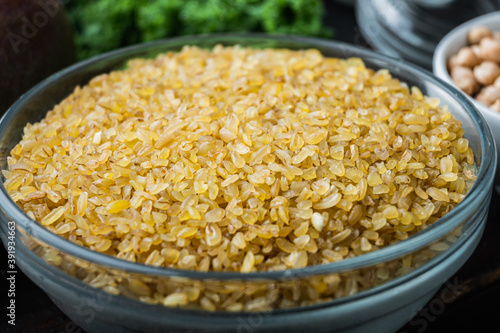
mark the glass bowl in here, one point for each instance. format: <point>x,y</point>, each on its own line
<point>411,29</point>
<point>377,291</point>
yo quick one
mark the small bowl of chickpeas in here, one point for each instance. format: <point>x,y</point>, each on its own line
<point>468,57</point>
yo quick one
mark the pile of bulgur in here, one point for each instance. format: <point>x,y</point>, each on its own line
<point>240,159</point>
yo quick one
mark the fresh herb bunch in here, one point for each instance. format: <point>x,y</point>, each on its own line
<point>102,25</point>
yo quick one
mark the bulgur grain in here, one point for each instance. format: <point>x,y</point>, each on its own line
<point>239,159</point>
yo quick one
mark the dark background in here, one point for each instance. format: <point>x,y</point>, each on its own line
<point>474,307</point>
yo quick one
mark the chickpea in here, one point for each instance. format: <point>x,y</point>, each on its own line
<point>466,57</point>
<point>497,82</point>
<point>476,34</point>
<point>496,106</point>
<point>488,95</point>
<point>464,79</point>
<point>452,62</point>
<point>496,35</point>
<point>486,72</point>
<point>477,50</point>
<point>490,49</point>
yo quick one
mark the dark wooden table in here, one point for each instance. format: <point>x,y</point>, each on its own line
<point>469,301</point>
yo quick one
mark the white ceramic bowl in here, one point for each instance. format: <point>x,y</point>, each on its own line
<point>449,45</point>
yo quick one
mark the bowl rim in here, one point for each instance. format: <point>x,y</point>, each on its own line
<point>439,59</point>
<point>446,224</point>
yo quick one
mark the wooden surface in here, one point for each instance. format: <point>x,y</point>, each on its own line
<point>470,300</point>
